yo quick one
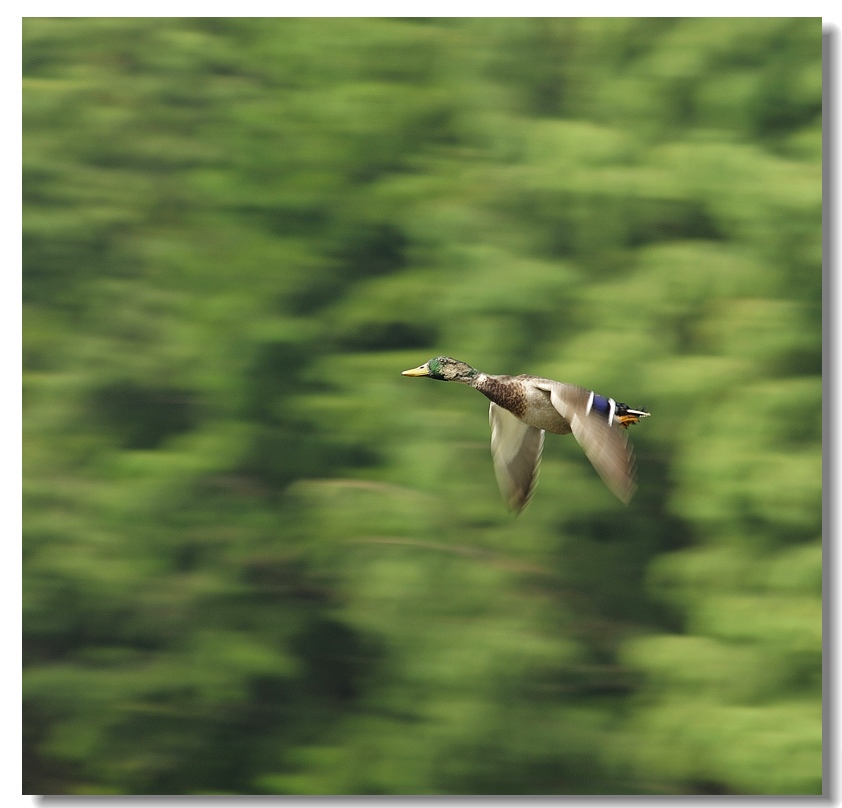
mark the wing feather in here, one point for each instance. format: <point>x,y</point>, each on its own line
<point>607,447</point>
<point>516,450</point>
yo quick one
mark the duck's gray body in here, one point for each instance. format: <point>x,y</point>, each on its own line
<point>523,408</point>
<point>525,397</point>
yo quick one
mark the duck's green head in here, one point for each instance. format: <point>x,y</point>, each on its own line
<point>444,369</point>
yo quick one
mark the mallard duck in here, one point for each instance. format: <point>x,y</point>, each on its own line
<point>524,407</point>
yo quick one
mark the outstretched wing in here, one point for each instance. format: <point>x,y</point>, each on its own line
<point>607,446</point>
<point>516,450</point>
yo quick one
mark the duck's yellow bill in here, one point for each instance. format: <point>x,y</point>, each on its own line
<point>423,370</point>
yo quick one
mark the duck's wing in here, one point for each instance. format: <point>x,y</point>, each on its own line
<point>607,446</point>
<point>516,450</point>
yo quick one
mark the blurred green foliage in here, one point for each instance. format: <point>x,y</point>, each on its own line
<point>257,560</point>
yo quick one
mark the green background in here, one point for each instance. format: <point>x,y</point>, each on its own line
<point>258,560</point>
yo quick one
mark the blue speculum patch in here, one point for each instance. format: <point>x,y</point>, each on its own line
<point>601,405</point>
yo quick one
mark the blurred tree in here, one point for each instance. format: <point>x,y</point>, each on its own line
<point>256,561</point>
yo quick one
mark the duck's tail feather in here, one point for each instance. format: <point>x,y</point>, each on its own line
<point>626,416</point>
<point>623,414</point>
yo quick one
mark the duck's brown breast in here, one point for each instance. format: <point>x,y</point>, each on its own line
<point>505,391</point>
